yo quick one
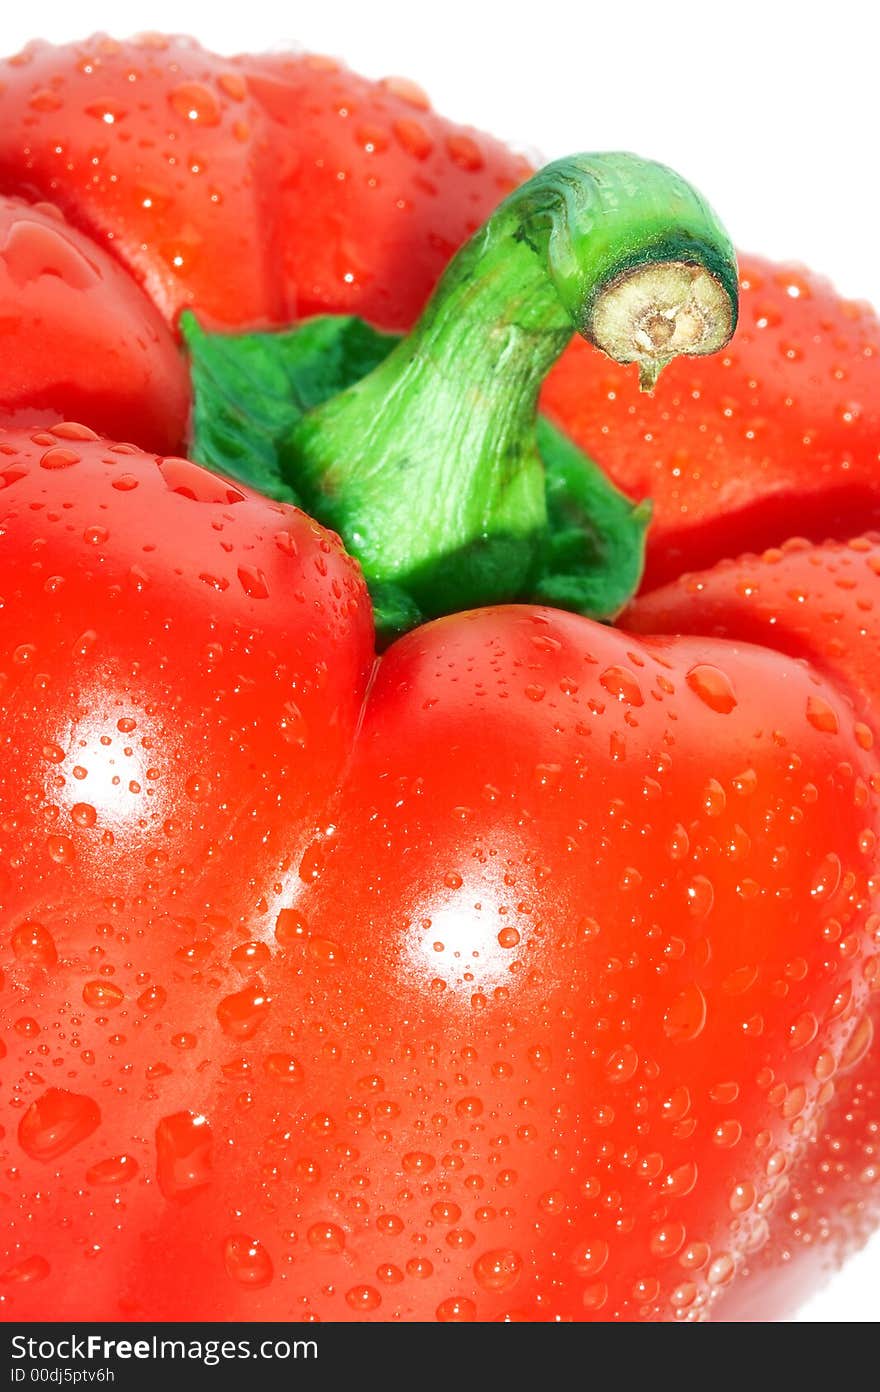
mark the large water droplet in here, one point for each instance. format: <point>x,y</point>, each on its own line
<point>858,1043</point>
<point>363,1298</point>
<point>183,1154</point>
<point>326,1237</point>
<point>247,1262</point>
<point>686,1016</point>
<point>623,684</point>
<point>283,1068</point>
<point>803,1031</point>
<point>102,995</point>
<point>456,1310</point>
<point>591,1257</point>
<point>700,896</point>
<point>242,1013</point>
<point>498,1270</point>
<point>621,1064</point>
<point>34,944</point>
<point>57,1122</point>
<point>196,103</point>
<point>118,1169</point>
<point>822,716</point>
<point>713,687</point>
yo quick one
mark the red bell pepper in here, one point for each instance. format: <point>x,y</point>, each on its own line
<point>489,1033</point>
<point>444,1020</point>
<point>416,1045</point>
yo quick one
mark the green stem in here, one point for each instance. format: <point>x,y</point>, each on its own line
<point>429,466</point>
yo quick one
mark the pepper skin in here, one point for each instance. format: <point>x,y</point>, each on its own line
<point>820,604</point>
<point>171,731</point>
<point>255,189</point>
<point>418,1063</point>
<point>88,344</point>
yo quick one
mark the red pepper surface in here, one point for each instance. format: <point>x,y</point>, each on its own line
<point>89,344</point>
<point>820,604</point>
<point>486,1033</point>
<point>698,1217</point>
<point>258,189</point>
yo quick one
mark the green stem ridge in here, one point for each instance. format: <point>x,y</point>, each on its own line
<point>429,466</point>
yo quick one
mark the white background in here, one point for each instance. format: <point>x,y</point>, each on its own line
<point>772,109</point>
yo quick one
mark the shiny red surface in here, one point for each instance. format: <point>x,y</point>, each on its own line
<point>485,1012</point>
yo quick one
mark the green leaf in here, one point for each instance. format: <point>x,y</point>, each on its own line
<point>249,391</point>
<point>593,556</point>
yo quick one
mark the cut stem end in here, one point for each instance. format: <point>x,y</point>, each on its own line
<point>658,311</point>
